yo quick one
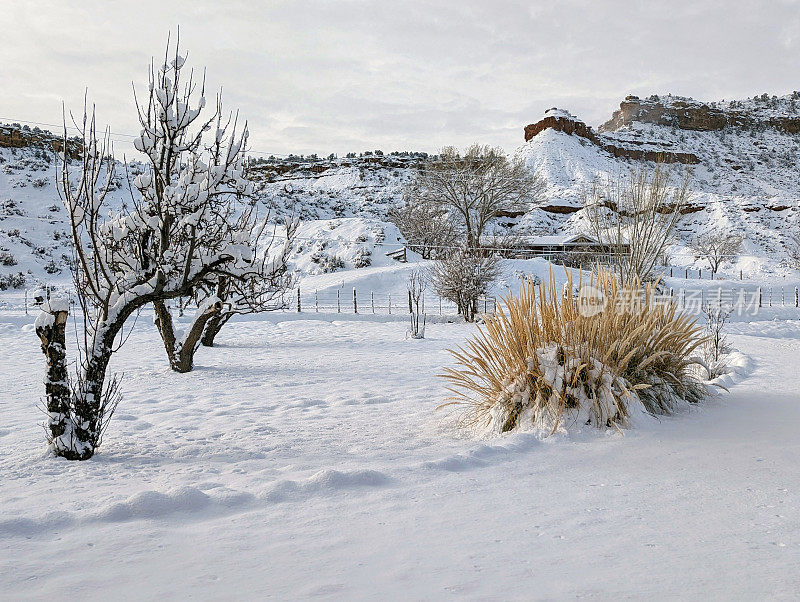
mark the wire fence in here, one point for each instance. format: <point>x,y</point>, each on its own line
<point>21,302</point>
<point>353,301</point>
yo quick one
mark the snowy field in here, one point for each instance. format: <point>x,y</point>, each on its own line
<point>304,458</point>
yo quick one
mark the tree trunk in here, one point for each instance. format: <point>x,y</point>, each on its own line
<point>51,329</point>
<point>76,417</point>
<point>213,326</point>
<point>180,352</point>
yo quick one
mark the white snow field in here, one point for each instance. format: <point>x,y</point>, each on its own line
<point>304,458</point>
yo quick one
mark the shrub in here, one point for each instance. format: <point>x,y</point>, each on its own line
<point>7,259</point>
<point>362,259</point>
<point>463,277</point>
<point>52,268</point>
<point>12,281</point>
<point>328,263</point>
<point>715,346</point>
<point>540,362</point>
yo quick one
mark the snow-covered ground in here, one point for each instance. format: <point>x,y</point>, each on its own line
<point>306,458</point>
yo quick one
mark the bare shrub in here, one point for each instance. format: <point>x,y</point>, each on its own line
<point>635,219</point>
<point>463,277</point>
<point>427,228</point>
<point>543,362</point>
<point>715,345</point>
<point>417,283</point>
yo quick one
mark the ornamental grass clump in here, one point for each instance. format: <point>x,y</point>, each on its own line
<point>550,358</point>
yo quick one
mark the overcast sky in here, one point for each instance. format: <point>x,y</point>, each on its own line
<point>351,76</point>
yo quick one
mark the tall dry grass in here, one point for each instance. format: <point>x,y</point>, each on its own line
<point>540,362</point>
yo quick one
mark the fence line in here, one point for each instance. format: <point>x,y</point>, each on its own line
<point>370,302</point>
<point>21,302</point>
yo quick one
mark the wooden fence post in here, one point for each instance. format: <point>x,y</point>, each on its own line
<point>372,300</point>
<point>410,308</point>
<point>338,301</point>
<point>686,273</point>
<point>795,297</point>
<point>355,301</point>
<point>759,296</point>
<point>390,304</point>
<point>316,301</point>
<point>298,299</point>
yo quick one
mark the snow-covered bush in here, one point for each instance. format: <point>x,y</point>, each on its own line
<point>327,263</point>
<point>12,281</point>
<point>362,258</point>
<point>544,361</point>
<point>462,277</point>
<point>7,259</point>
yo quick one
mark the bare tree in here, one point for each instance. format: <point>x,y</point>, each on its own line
<point>427,228</point>
<point>474,188</point>
<point>634,218</point>
<point>262,291</point>
<point>177,236</point>
<point>463,277</point>
<point>258,289</point>
<point>716,247</point>
<point>417,283</point>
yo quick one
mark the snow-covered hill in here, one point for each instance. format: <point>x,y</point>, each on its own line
<point>743,155</point>
<point>745,179</point>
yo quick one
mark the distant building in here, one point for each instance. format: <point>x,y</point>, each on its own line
<point>561,246</point>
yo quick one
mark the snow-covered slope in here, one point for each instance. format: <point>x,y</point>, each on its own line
<point>745,180</point>
<point>744,157</point>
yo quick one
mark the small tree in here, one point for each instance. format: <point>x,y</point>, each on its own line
<point>416,289</point>
<point>463,277</point>
<point>716,247</point>
<point>635,218</point>
<point>474,188</point>
<point>177,236</point>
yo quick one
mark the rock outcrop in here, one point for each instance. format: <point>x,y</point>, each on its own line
<point>16,136</point>
<point>690,114</point>
<point>563,121</point>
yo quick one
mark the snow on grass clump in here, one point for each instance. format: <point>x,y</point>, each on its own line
<point>548,360</point>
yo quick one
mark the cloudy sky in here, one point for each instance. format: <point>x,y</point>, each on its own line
<point>343,76</point>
